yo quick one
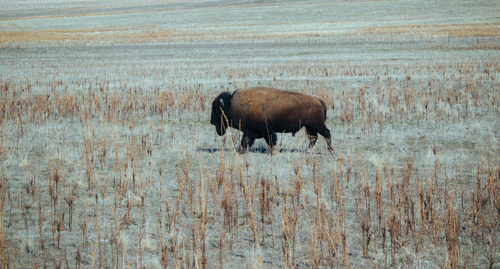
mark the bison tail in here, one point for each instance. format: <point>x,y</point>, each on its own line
<point>324,106</point>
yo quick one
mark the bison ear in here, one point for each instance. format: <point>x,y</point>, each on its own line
<point>221,102</point>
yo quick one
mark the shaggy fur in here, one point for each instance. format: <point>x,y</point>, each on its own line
<point>263,112</point>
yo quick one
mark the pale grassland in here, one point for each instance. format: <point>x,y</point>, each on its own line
<point>108,158</point>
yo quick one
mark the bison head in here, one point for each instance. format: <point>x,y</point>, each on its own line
<point>220,108</point>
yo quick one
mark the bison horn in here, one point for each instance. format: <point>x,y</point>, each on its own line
<point>221,102</point>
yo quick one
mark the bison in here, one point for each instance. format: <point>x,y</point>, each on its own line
<point>262,112</point>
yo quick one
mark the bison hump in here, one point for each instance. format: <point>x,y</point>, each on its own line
<point>253,97</point>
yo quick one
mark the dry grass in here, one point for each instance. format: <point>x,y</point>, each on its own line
<point>156,34</point>
<point>482,29</point>
<point>105,36</point>
<point>124,182</point>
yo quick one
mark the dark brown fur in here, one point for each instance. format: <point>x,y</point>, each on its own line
<point>263,112</point>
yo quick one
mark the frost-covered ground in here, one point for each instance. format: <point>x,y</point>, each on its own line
<point>109,160</point>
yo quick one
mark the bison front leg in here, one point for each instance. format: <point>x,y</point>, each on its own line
<point>246,142</point>
<point>313,137</point>
<point>271,139</point>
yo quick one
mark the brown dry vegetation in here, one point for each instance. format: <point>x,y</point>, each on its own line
<point>154,34</point>
<point>454,30</point>
<point>100,36</point>
<point>117,204</point>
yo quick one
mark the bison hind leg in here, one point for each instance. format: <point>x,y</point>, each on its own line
<point>326,134</point>
<point>313,137</point>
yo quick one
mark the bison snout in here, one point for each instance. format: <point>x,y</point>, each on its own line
<point>220,130</point>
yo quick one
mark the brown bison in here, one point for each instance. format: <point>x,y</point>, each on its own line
<point>263,112</point>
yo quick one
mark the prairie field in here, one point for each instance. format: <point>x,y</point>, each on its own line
<point>108,158</point>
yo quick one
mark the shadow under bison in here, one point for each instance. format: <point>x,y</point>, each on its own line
<point>258,149</point>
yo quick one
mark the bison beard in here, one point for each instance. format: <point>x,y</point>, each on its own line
<point>263,112</point>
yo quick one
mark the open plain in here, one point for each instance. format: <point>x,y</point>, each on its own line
<point>108,158</point>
